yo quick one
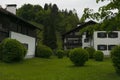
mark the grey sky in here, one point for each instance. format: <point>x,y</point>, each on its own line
<point>78,5</point>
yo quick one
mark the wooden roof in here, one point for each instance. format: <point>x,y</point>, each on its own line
<point>5,12</point>
<point>82,25</point>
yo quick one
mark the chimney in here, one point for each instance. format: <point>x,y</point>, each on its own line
<point>11,8</point>
<point>0,6</point>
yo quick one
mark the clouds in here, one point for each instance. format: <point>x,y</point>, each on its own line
<point>79,5</point>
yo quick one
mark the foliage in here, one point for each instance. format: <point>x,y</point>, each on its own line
<point>33,10</point>
<point>43,51</point>
<point>115,55</point>
<point>60,53</point>
<point>67,52</point>
<point>79,56</point>
<point>53,20</point>
<point>98,55</point>
<point>12,51</point>
<point>107,15</point>
<point>105,12</point>
<point>91,51</point>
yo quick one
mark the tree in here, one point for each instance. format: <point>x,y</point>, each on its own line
<point>46,6</point>
<point>49,30</point>
<point>109,15</point>
<point>56,22</point>
<point>104,12</point>
<point>26,12</point>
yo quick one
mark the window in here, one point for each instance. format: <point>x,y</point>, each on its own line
<point>101,35</point>
<point>110,47</point>
<point>26,45</point>
<point>102,47</point>
<point>86,40</point>
<point>113,35</point>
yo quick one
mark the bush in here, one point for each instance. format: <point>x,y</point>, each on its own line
<point>91,51</point>
<point>115,55</point>
<point>60,53</point>
<point>67,52</point>
<point>98,55</point>
<point>79,56</point>
<point>12,51</point>
<point>43,51</point>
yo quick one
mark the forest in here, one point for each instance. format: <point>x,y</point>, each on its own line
<point>53,22</point>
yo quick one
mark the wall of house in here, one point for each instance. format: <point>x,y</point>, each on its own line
<point>86,41</point>
<point>28,41</point>
<point>85,44</point>
<point>105,43</point>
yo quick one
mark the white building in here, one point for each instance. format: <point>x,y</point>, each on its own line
<point>105,41</point>
<point>11,26</point>
<point>102,40</point>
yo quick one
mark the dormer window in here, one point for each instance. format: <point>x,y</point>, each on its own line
<point>101,35</point>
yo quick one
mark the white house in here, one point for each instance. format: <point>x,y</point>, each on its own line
<point>105,41</point>
<point>11,26</point>
<point>102,40</point>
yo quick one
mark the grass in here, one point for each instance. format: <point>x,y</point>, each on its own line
<point>57,69</point>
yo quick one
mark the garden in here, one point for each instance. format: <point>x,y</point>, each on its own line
<point>75,64</point>
<point>57,69</point>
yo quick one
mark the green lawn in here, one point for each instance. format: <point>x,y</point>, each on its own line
<point>57,69</point>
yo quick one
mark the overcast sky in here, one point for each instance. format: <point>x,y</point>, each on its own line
<point>78,5</point>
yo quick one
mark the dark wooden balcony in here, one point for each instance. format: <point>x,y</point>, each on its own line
<point>73,36</point>
<point>73,44</point>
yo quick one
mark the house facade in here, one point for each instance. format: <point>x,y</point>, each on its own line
<point>100,40</point>
<point>73,39</point>
<point>14,27</point>
<point>105,41</point>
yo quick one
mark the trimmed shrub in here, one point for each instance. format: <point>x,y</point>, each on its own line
<point>79,56</point>
<point>67,52</point>
<point>60,53</point>
<point>98,55</point>
<point>12,51</point>
<point>91,51</point>
<point>43,51</point>
<point>115,55</point>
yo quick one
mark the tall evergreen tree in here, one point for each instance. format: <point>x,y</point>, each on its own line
<point>50,34</point>
<point>53,20</point>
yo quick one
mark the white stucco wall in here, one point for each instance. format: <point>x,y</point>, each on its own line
<point>25,40</point>
<point>105,41</point>
<point>86,44</point>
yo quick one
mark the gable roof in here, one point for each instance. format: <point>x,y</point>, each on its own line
<point>82,25</point>
<point>5,12</point>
